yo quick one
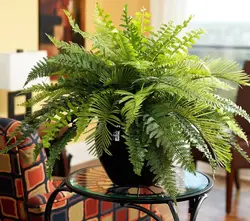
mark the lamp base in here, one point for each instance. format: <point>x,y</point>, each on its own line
<point>11,105</point>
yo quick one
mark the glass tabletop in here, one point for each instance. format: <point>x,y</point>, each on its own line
<point>93,182</point>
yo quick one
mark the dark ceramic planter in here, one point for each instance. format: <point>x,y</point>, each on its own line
<point>118,167</point>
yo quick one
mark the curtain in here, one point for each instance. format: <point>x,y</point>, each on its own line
<point>165,10</point>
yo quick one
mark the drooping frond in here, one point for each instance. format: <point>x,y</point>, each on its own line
<point>133,104</point>
<point>83,120</point>
<point>162,166</point>
<point>228,70</point>
<point>241,151</point>
<point>100,140</point>
<point>165,138</point>
<point>137,150</point>
<point>236,130</point>
<point>104,109</point>
<point>58,146</point>
<point>230,107</point>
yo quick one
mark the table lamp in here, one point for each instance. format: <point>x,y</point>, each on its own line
<point>14,70</point>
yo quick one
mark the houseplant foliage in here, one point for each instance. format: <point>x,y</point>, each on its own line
<point>163,98</point>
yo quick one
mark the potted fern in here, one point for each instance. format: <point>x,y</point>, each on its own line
<point>151,101</point>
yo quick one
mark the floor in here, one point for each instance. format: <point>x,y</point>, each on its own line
<point>213,208</point>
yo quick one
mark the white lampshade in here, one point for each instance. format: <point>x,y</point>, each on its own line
<point>15,67</point>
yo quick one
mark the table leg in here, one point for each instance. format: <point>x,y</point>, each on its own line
<point>173,211</point>
<point>140,208</point>
<point>52,199</point>
<point>194,206</point>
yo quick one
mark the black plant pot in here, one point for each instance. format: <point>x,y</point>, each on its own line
<point>119,168</point>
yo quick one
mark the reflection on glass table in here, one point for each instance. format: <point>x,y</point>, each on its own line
<point>93,182</point>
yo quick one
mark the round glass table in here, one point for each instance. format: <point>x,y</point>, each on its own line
<point>93,182</point>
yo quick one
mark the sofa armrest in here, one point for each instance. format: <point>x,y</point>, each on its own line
<point>67,206</point>
<point>41,200</point>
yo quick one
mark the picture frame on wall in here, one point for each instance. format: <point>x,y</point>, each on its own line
<point>53,21</point>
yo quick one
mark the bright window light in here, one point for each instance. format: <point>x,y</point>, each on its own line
<point>219,10</point>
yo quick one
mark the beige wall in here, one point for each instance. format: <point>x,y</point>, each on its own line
<point>18,25</point>
<point>113,7</point>
<point>18,29</point>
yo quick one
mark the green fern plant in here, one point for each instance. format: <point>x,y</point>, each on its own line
<point>163,98</point>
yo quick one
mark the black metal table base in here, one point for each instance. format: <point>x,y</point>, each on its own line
<point>52,199</point>
<point>194,205</point>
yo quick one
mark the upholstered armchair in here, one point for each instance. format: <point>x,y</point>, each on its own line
<point>25,188</point>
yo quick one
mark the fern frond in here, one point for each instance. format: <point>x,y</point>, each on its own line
<point>130,30</point>
<point>128,52</point>
<point>133,104</point>
<point>105,110</point>
<point>42,69</point>
<point>214,83</point>
<point>57,147</point>
<point>228,70</point>
<point>155,127</point>
<point>41,87</point>
<point>75,27</point>
<point>142,22</point>
<point>36,99</point>
<point>232,108</point>
<point>53,126</point>
<point>79,63</point>
<point>166,38</point>
<point>162,166</point>
<point>100,140</point>
<point>241,151</point>
<point>70,47</point>
<point>42,96</point>
<point>236,130</point>
<point>103,17</point>
<point>196,140</point>
<point>137,152</point>
<point>37,151</point>
<point>186,42</point>
<point>83,120</point>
